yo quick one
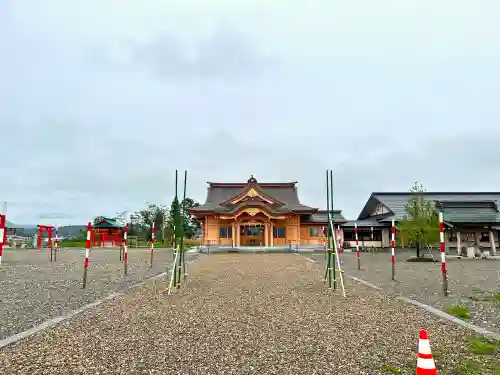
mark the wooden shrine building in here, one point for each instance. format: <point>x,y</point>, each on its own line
<point>106,232</point>
<point>260,214</point>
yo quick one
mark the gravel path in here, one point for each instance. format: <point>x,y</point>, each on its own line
<point>241,314</point>
<point>471,282</point>
<point>32,289</point>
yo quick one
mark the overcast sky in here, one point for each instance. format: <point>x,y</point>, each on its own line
<point>100,101</point>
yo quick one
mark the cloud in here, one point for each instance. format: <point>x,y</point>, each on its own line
<point>225,55</point>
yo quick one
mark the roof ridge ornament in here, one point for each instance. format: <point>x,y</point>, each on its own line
<point>252,180</point>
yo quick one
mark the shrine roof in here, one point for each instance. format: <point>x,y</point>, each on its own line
<point>284,196</point>
<point>105,222</point>
<point>457,207</point>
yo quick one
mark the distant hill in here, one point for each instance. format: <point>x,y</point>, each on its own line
<point>26,226</point>
<point>65,231</point>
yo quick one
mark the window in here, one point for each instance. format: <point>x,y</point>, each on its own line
<point>349,235</point>
<point>485,236</point>
<point>452,235</point>
<point>365,234</point>
<point>279,232</point>
<point>226,232</point>
<point>315,232</point>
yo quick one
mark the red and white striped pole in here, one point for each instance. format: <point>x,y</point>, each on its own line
<point>3,229</point>
<point>87,252</point>
<point>339,239</point>
<point>357,245</point>
<point>53,253</point>
<point>443,253</point>
<point>393,258</point>
<point>152,243</point>
<point>373,243</point>
<point>125,251</point>
<point>324,236</point>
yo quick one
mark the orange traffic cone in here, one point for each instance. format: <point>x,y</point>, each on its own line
<point>425,362</point>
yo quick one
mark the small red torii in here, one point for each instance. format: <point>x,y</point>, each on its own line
<point>45,229</point>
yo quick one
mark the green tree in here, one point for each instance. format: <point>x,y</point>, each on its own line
<point>190,225</point>
<point>420,225</point>
<point>97,220</point>
<point>152,213</point>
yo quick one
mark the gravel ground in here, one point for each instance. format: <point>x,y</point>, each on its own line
<point>243,314</point>
<point>471,282</point>
<point>32,289</point>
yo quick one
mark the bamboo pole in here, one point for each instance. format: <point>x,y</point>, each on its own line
<point>184,263</point>
<point>328,270</point>
<point>175,226</point>
<point>179,234</point>
<point>333,264</point>
<point>334,242</point>
<point>182,267</point>
<point>172,277</point>
<point>339,268</point>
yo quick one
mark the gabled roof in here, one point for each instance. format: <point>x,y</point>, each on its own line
<point>396,202</point>
<point>473,212</point>
<point>251,186</point>
<point>219,196</point>
<point>321,217</point>
<point>106,222</point>
<point>365,223</point>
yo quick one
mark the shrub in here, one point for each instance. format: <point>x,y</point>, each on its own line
<point>459,311</point>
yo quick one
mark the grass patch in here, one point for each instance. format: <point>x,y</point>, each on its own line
<point>487,297</point>
<point>496,300</point>
<point>469,367</point>
<point>391,369</point>
<point>481,346</point>
<point>459,311</point>
<point>72,244</point>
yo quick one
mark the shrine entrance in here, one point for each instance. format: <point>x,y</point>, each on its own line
<point>42,229</point>
<point>252,235</point>
<point>106,232</point>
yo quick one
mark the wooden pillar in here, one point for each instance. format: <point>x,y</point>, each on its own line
<point>266,234</point>
<point>40,238</point>
<point>205,228</point>
<point>459,244</point>
<point>233,234</point>
<point>49,239</point>
<point>298,230</point>
<point>238,236</point>
<point>271,233</point>
<point>493,244</point>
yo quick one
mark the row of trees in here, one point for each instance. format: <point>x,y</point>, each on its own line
<point>163,218</point>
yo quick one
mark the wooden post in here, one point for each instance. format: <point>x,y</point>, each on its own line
<point>493,244</point>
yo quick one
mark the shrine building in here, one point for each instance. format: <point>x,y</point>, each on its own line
<point>260,214</point>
